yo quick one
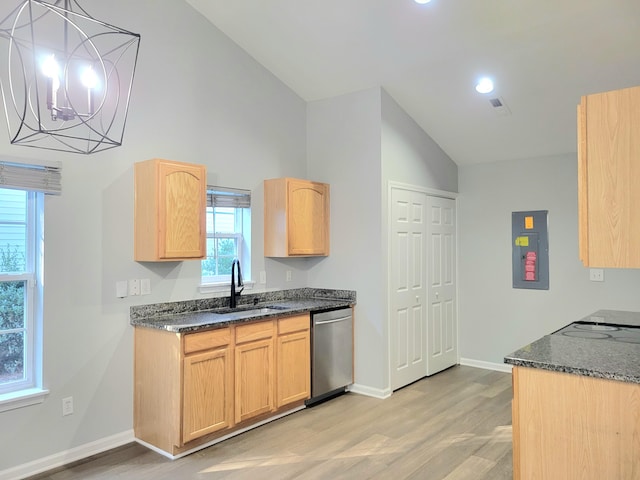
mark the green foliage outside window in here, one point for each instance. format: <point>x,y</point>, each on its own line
<point>220,255</point>
<point>11,260</point>
<point>11,317</point>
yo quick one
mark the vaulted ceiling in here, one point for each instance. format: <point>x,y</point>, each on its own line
<point>543,55</point>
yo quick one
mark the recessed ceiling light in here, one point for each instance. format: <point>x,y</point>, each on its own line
<point>484,85</point>
<point>422,2</point>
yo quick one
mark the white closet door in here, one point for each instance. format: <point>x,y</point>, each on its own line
<point>442,323</point>
<point>407,327</point>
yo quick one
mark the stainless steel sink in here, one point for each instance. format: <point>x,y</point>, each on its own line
<point>257,311</point>
<point>247,311</point>
<point>267,310</point>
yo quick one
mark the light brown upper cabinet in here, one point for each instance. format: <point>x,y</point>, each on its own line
<point>608,178</point>
<point>296,218</point>
<point>169,211</point>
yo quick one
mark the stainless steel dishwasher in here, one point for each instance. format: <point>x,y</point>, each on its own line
<point>331,353</point>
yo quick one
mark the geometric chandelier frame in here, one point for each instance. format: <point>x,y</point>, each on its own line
<point>69,77</point>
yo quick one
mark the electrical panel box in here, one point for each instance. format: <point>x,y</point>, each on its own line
<point>530,245</point>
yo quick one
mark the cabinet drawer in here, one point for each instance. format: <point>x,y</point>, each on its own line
<point>254,331</point>
<point>294,324</point>
<point>194,342</point>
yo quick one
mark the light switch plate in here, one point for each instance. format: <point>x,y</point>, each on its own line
<point>134,287</point>
<point>596,274</point>
<point>67,406</point>
<point>121,288</point>
<point>145,286</point>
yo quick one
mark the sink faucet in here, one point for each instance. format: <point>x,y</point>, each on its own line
<point>232,300</point>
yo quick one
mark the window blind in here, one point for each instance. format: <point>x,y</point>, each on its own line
<point>228,197</point>
<point>38,177</point>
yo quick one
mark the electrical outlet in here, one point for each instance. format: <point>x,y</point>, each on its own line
<point>596,275</point>
<point>67,406</point>
<point>263,277</point>
<point>288,275</point>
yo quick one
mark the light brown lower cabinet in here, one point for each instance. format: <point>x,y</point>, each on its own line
<point>207,393</point>
<point>293,349</point>
<point>191,388</point>
<point>255,374</point>
<point>573,427</point>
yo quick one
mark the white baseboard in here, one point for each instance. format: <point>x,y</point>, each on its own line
<point>498,367</point>
<point>369,391</point>
<point>219,439</point>
<point>386,393</point>
<point>67,456</point>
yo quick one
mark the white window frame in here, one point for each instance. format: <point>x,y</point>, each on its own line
<point>224,279</point>
<point>221,283</point>
<point>29,391</point>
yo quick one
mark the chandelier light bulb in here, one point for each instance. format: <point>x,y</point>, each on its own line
<point>89,78</point>
<point>50,67</point>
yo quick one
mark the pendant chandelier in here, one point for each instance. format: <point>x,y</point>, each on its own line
<point>68,82</point>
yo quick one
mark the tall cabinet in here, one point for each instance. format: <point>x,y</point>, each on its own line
<point>169,211</point>
<point>608,175</point>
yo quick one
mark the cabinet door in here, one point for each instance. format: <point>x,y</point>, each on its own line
<point>254,379</point>
<point>608,152</point>
<point>568,426</point>
<point>207,393</point>
<point>294,370</point>
<point>181,222</point>
<point>308,218</point>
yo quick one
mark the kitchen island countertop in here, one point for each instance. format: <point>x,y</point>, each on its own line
<point>585,356</point>
<point>193,315</point>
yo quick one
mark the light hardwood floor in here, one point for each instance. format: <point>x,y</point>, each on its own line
<point>455,425</point>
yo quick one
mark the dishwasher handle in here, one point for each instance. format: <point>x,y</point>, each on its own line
<point>335,320</point>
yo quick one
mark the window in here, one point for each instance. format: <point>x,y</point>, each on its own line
<point>17,279</point>
<point>228,234</point>
<point>22,188</point>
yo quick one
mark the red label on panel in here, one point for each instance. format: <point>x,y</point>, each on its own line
<point>530,266</point>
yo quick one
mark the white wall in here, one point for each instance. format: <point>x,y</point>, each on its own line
<point>199,98</point>
<point>362,141</point>
<point>496,319</point>
<point>344,150</point>
<point>409,155</point>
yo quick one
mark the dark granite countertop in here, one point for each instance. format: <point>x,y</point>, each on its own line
<point>585,356</point>
<point>192,315</point>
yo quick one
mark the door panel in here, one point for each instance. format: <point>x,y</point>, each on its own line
<point>308,219</point>
<point>208,393</point>
<point>254,367</point>
<point>182,220</point>
<point>442,321</point>
<point>408,292</point>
